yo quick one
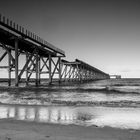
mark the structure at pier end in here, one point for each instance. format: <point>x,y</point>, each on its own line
<point>30,57</point>
<point>115,76</point>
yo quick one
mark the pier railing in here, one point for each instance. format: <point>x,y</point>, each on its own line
<point>26,34</point>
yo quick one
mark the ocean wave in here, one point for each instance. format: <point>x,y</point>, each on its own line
<point>98,103</point>
<point>124,89</point>
<point>45,102</point>
<point>87,96</point>
<point>109,89</point>
<point>104,89</point>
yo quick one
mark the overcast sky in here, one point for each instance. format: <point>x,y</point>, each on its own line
<point>103,33</point>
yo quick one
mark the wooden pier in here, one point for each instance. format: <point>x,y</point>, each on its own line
<point>42,59</point>
<point>81,71</point>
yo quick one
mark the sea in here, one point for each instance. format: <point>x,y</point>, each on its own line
<point>102,103</point>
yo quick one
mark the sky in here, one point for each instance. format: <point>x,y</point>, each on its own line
<point>103,33</point>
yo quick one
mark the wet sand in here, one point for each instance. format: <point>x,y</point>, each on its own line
<point>20,130</point>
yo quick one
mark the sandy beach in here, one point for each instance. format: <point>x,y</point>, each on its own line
<point>20,130</point>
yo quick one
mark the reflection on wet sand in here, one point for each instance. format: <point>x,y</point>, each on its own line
<point>64,115</point>
<point>128,118</point>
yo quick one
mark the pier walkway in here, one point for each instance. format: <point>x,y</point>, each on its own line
<point>39,58</point>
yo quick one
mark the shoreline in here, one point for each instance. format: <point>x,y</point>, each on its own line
<point>22,130</point>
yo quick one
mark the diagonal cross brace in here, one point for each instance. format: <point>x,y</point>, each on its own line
<point>25,66</point>
<point>55,68</point>
<point>7,50</point>
<point>55,64</point>
<point>64,71</point>
<point>3,56</point>
<point>45,64</point>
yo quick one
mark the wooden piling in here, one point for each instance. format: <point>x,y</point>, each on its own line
<point>60,68</point>
<point>27,69</point>
<point>16,63</point>
<point>37,70</point>
<point>9,69</point>
<point>50,69</point>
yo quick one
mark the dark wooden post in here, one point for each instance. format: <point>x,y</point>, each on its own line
<point>60,68</point>
<point>26,69</point>
<point>16,63</point>
<point>50,69</point>
<point>9,70</point>
<point>39,65</point>
<point>37,70</point>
